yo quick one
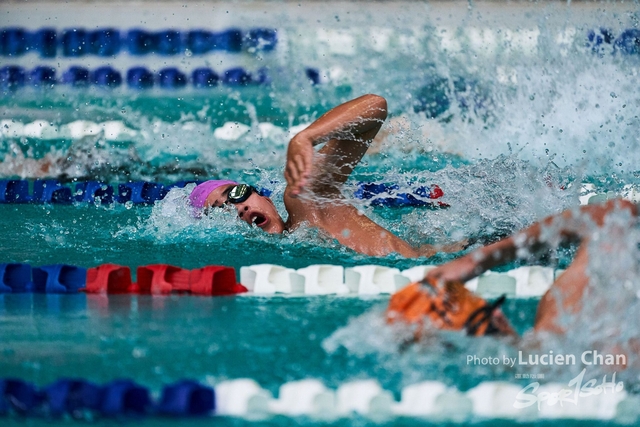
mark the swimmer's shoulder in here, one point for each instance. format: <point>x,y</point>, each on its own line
<point>311,207</point>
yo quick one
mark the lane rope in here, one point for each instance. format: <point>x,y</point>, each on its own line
<point>259,279</point>
<point>245,398</point>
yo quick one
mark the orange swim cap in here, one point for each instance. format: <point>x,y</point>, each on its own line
<point>449,307</point>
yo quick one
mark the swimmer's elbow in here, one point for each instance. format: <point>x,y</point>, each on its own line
<point>612,206</point>
<point>379,103</point>
<point>624,204</point>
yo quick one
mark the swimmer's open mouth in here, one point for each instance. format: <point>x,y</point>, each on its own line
<point>258,220</point>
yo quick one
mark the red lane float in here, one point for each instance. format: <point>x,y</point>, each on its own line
<point>215,281</point>
<point>162,279</point>
<point>159,279</point>
<point>109,279</point>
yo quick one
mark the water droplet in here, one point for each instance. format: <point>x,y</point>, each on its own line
<point>139,352</point>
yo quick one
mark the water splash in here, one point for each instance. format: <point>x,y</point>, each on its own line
<point>611,299</point>
<point>604,324</point>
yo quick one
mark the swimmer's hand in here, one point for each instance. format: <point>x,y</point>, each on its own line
<point>299,162</point>
<point>431,250</point>
<point>454,247</point>
<point>457,271</point>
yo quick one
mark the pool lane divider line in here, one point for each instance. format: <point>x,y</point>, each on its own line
<point>259,280</point>
<point>51,191</point>
<point>117,130</point>
<point>109,42</point>
<point>245,398</point>
<point>138,78</point>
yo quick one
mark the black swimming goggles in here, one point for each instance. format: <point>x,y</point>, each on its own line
<point>240,193</point>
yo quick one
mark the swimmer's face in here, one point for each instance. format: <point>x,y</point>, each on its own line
<point>256,210</point>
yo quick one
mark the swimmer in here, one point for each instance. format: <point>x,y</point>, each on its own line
<point>314,179</point>
<point>91,158</point>
<point>443,298</point>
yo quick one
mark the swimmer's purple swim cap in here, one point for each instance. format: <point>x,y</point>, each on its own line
<point>199,195</point>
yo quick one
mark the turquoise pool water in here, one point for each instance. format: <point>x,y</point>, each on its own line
<point>510,110</point>
<point>94,337</point>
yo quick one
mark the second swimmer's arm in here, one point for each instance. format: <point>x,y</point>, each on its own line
<point>569,224</point>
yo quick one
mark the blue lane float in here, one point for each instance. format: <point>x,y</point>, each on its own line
<point>12,77</point>
<point>59,279</point>
<point>140,78</point>
<point>313,75</point>
<point>42,76</point>
<point>19,397</point>
<point>105,42</point>
<point>72,397</point>
<point>106,77</point>
<point>140,42</point>
<point>169,42</point>
<point>15,278</point>
<point>45,42</point>
<point>171,78</point>
<point>75,42</point>
<point>264,39</point>
<point>228,41</point>
<point>186,399</point>
<point>14,41</point>
<point>94,192</point>
<point>125,397</point>
<point>51,191</point>
<point>236,77</point>
<point>14,191</point>
<point>76,76</point>
<point>204,77</point>
<point>200,42</point>
<point>598,37</point>
<point>629,42</point>
<point>140,192</point>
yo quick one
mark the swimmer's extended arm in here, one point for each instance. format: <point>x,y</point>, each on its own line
<point>568,224</point>
<point>346,130</point>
